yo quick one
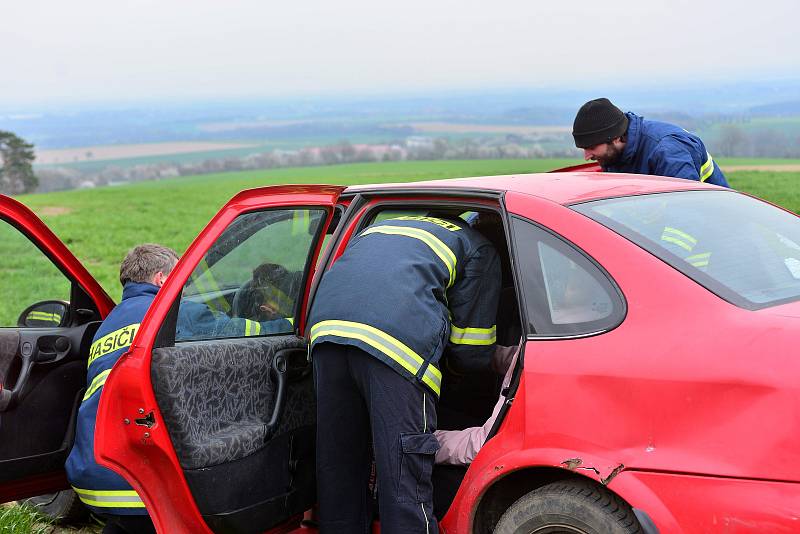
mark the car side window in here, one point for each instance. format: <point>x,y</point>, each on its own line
<point>565,293</point>
<point>250,281</point>
<point>28,277</point>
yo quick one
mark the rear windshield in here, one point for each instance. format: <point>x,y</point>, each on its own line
<point>744,250</point>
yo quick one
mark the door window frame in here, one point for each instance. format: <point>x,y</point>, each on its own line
<point>167,330</point>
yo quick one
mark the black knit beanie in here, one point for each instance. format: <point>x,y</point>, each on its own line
<point>598,121</point>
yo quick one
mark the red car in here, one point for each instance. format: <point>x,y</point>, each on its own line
<point>657,389</point>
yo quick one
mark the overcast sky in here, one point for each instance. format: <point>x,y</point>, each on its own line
<point>129,50</point>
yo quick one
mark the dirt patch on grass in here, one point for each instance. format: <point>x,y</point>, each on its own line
<point>792,167</point>
<point>54,211</point>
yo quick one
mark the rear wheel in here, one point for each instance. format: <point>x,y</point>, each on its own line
<point>569,507</point>
<point>63,506</point>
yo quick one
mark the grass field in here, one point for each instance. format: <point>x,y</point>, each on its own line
<point>100,225</point>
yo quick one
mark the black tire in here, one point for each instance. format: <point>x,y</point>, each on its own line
<point>569,507</point>
<point>63,506</point>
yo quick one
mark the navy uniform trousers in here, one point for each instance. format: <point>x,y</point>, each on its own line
<point>358,394</point>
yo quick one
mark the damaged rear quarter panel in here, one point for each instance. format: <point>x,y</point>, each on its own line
<point>697,504</point>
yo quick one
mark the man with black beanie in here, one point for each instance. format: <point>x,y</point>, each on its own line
<point>626,142</point>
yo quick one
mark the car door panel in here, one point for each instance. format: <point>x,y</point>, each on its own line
<point>52,390</point>
<point>42,353</point>
<point>219,434</point>
<point>208,460</point>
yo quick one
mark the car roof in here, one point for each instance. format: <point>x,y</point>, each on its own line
<point>559,187</point>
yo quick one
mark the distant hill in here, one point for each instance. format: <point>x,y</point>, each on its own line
<point>778,109</point>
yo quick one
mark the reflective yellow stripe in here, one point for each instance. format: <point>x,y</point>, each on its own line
<point>300,222</point>
<point>473,336</point>
<point>678,242</point>
<point>682,239</point>
<point>447,225</point>
<point>96,384</point>
<point>684,235</point>
<point>699,260</point>
<point>707,169</point>
<point>116,340</point>
<point>205,282</point>
<point>110,498</point>
<point>290,319</point>
<point>436,244</point>
<point>251,328</point>
<point>387,344</point>
<point>45,316</point>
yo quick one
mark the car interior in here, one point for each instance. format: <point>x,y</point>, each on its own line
<point>42,378</point>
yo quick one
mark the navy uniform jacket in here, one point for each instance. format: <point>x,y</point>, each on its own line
<point>99,488</point>
<point>408,288</point>
<point>664,149</point>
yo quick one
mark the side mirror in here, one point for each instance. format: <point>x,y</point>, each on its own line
<point>45,314</point>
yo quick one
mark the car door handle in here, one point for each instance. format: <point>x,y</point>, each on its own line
<point>278,370</point>
<point>8,399</point>
<point>49,350</point>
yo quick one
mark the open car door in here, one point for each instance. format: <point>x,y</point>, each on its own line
<point>50,307</point>
<point>211,414</point>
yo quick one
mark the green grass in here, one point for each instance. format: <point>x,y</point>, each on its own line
<point>23,520</point>
<point>18,519</point>
<point>103,224</point>
<point>781,188</point>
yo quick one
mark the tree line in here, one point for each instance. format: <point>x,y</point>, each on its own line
<point>410,149</point>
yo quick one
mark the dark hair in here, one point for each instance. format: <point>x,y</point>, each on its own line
<point>271,283</point>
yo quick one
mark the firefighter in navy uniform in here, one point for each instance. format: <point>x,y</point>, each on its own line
<point>142,273</point>
<point>626,142</point>
<point>409,295</point>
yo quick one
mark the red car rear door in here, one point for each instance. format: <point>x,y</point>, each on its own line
<point>211,415</point>
<point>50,307</point>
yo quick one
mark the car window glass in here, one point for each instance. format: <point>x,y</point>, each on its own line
<point>27,276</point>
<point>742,249</point>
<point>565,293</point>
<point>573,295</point>
<point>383,215</point>
<point>387,214</point>
<point>250,280</point>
